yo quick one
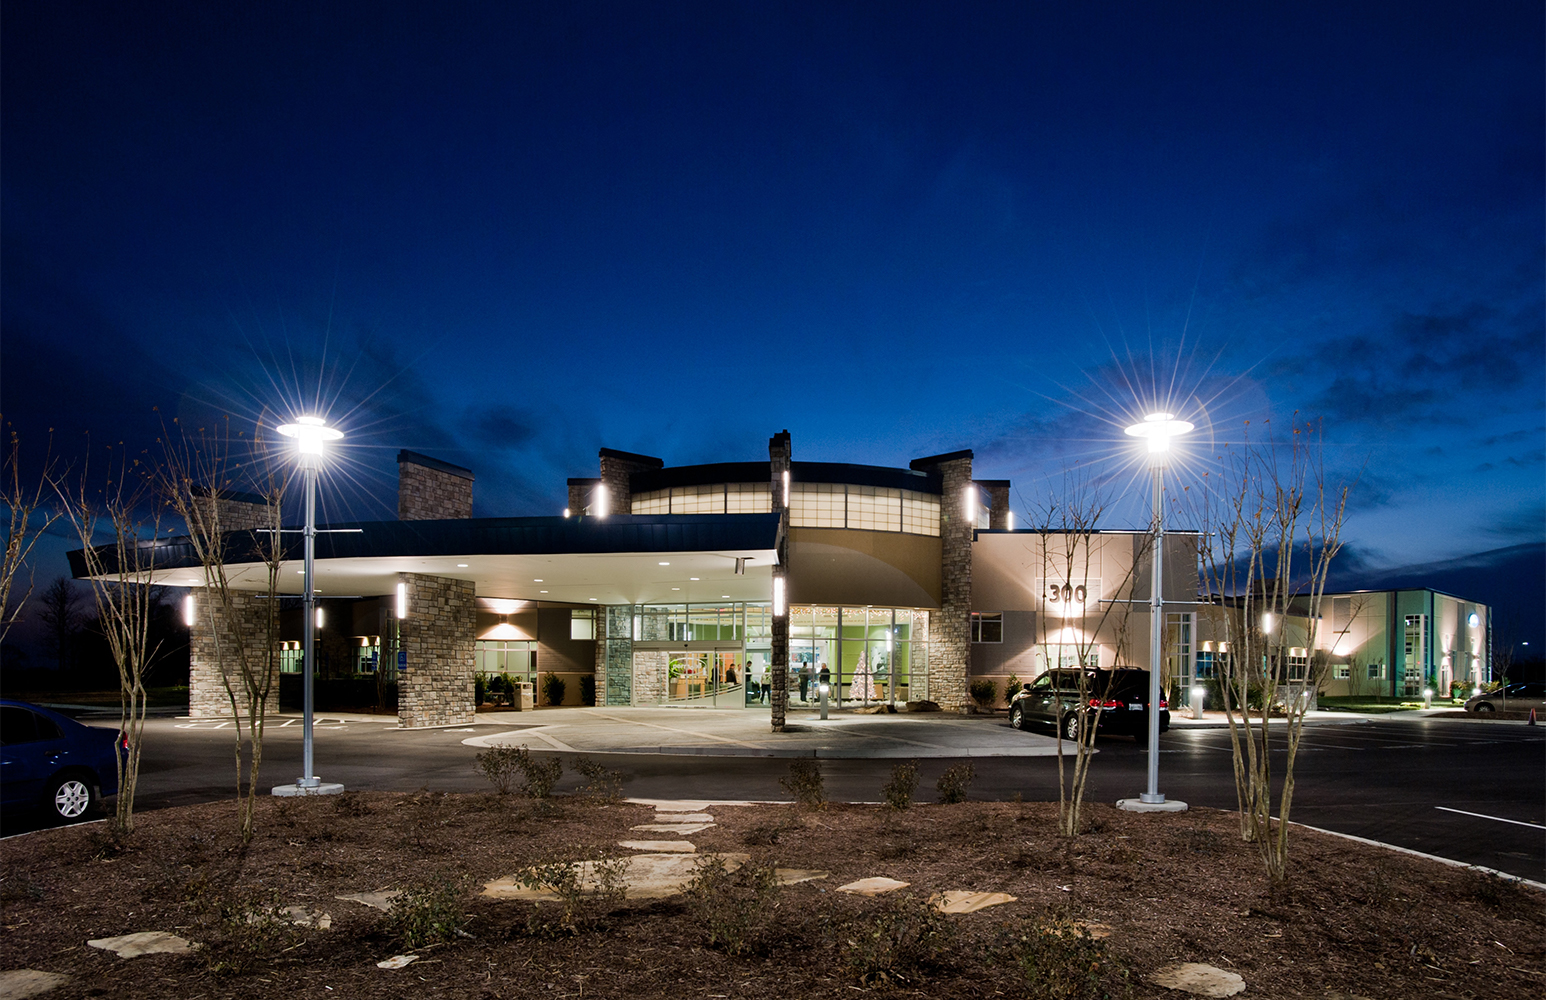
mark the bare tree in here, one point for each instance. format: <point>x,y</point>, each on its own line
<point>196,478</point>
<point>1066,529</point>
<point>121,573</point>
<point>26,520</point>
<point>59,611</point>
<point>1272,524</point>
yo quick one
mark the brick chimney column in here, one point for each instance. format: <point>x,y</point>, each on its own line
<point>780,452</point>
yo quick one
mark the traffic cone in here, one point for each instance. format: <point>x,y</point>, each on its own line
<point>1532,718</point>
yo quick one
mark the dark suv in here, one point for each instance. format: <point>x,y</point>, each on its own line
<point>1121,695</point>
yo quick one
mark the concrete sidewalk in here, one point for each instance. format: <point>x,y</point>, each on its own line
<point>733,733</point>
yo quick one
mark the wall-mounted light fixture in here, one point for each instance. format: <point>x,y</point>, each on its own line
<point>319,616</point>
<point>402,600</point>
<point>786,487</point>
<point>778,596</point>
<point>599,500</point>
<point>566,511</point>
<point>188,611</point>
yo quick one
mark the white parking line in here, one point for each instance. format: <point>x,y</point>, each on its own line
<point>1500,819</point>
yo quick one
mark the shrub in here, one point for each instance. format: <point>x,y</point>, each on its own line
<point>500,764</point>
<point>898,792</point>
<point>586,892</point>
<point>1011,687</point>
<point>1060,960</point>
<point>891,945</point>
<point>983,692</point>
<point>479,688</point>
<point>249,927</point>
<point>588,689</point>
<point>427,913</point>
<point>804,783</point>
<point>553,688</point>
<point>955,781</point>
<point>735,909</point>
<point>599,782</point>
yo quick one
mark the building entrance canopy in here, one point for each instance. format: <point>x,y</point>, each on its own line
<point>620,559</point>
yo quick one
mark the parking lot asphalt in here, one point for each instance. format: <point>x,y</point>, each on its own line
<point>1467,790</point>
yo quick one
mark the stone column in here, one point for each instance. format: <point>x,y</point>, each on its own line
<point>998,502</point>
<point>614,656</point>
<point>579,494</point>
<point>780,452</point>
<point>244,625</point>
<point>950,626</point>
<point>431,490</point>
<point>435,685</point>
<point>617,469</point>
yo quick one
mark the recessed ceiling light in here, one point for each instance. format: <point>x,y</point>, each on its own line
<point>665,564</point>
<point>300,572</point>
<point>536,581</point>
<point>693,579</point>
<point>590,598</point>
<point>542,592</point>
<point>676,588</point>
<point>725,596</point>
<point>461,565</point>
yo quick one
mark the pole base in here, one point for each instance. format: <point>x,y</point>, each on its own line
<point>321,788</point>
<point>1138,805</point>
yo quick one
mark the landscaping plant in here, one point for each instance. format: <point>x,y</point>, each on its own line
<point>898,792</point>
<point>804,782</point>
<point>955,781</point>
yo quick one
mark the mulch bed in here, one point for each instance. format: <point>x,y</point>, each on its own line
<point>1356,921</point>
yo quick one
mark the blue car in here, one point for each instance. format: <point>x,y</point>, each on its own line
<point>49,760</point>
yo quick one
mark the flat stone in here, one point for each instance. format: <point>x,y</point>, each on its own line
<point>1198,979</point>
<point>961,901</point>
<point>1097,932</point>
<point>682,806</point>
<point>296,791</point>
<point>301,916</point>
<point>872,886</point>
<point>380,900</point>
<point>680,829</point>
<point>646,876</point>
<point>789,876</point>
<point>396,961</point>
<point>144,943</point>
<point>675,817</point>
<point>659,846</point>
<point>19,984</point>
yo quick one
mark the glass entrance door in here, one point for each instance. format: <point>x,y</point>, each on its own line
<point>706,678</point>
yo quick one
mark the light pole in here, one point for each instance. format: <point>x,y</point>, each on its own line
<point>310,434</point>
<point>1158,429</point>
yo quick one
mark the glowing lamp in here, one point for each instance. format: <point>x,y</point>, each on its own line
<point>1159,428</point>
<point>402,600</point>
<point>310,434</point>
<point>188,612</point>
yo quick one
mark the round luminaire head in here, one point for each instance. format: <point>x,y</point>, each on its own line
<point>1159,428</point>
<point>310,433</point>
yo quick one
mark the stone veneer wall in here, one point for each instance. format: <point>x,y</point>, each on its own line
<point>650,667</point>
<point>430,494</point>
<point>780,455</point>
<point>998,502</point>
<point>230,514</point>
<point>435,687</point>
<point>579,494</point>
<point>207,696</point>
<point>617,469</point>
<point>950,627</point>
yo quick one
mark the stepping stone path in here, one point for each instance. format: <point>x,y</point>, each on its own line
<point>872,886</point>
<point>662,869</point>
<point>961,901</point>
<point>1198,979</point>
<point>381,900</point>
<point>300,916</point>
<point>19,984</point>
<point>144,943</point>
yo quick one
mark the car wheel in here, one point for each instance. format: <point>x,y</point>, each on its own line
<point>1017,717</point>
<point>1484,707</point>
<point>1071,727</point>
<point>72,797</point>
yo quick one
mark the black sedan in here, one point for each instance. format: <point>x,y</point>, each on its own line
<point>1067,701</point>
<point>52,761</point>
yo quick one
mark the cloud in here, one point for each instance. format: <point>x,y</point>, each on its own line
<point>500,427</point>
<point>1525,523</point>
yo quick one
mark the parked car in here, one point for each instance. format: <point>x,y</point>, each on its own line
<point>1055,700</point>
<point>52,761</point>
<point>1520,696</point>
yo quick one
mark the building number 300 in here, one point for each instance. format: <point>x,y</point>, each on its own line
<point>1056,593</point>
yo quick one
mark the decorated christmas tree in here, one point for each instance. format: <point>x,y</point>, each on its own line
<point>861,685</point>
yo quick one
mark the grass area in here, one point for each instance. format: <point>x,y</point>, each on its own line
<point>1379,706</point>
<point>156,697</point>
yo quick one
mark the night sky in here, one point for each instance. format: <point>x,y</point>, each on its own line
<point>509,234</point>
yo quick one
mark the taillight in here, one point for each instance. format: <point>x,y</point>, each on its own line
<point>1164,703</point>
<point>1108,703</point>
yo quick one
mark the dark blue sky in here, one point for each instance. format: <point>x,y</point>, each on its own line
<point>525,231</point>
